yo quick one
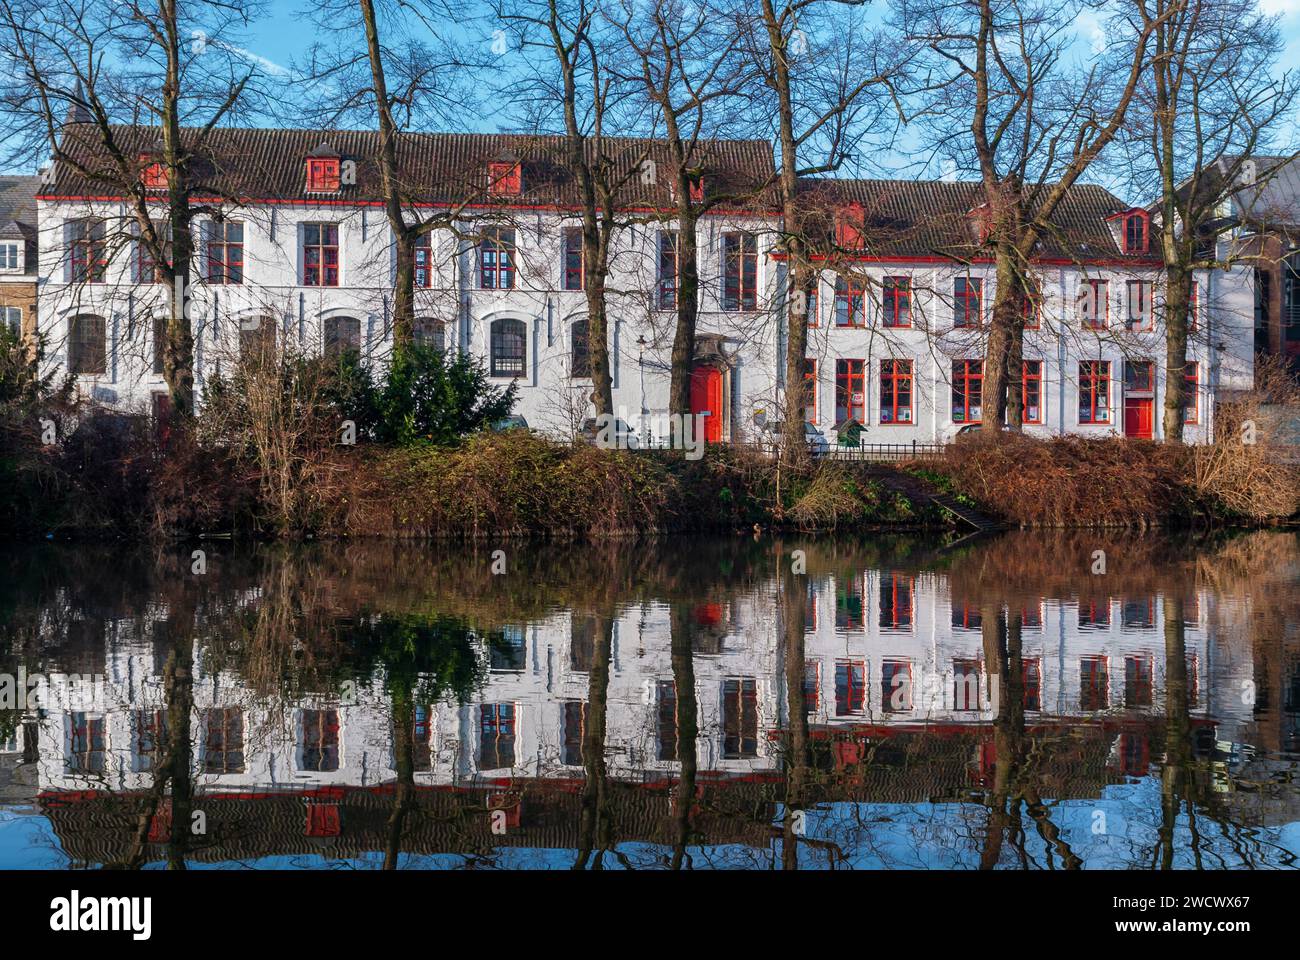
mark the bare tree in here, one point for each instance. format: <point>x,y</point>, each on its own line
<point>566,46</point>
<point>686,66</point>
<point>397,65</point>
<point>1034,114</point>
<point>141,87</point>
<point>824,83</point>
<point>1208,102</point>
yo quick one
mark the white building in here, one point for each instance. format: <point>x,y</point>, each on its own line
<point>291,240</point>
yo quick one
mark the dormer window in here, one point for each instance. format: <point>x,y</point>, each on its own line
<point>153,173</point>
<point>323,175</point>
<point>505,178</point>
<point>850,227</point>
<point>1136,238</point>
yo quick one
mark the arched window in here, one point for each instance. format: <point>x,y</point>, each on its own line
<point>581,363</point>
<point>1135,232</point>
<point>429,332</point>
<point>342,333</point>
<point>87,345</point>
<point>509,348</point>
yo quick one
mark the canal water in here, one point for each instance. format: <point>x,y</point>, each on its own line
<point>1027,701</point>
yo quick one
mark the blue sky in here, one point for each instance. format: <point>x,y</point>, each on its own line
<point>285,34</point>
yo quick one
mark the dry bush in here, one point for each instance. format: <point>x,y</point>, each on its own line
<point>276,419</point>
<point>1073,481</point>
<point>1249,469</point>
<point>835,497</point>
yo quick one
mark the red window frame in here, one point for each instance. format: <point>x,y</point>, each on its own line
<point>1136,239</point>
<point>967,391</point>
<point>1139,376</point>
<point>323,175</point>
<point>1099,296</point>
<point>505,179</point>
<point>496,260</point>
<point>897,593</point>
<point>739,272</point>
<point>850,301</point>
<point>810,389</point>
<point>812,685</point>
<point>967,616</point>
<point>1094,391</point>
<point>850,687</point>
<point>1139,685</point>
<point>848,603</point>
<point>1145,291</point>
<point>1031,307</point>
<point>850,381</point>
<point>572,266</point>
<point>497,734</point>
<point>890,670</point>
<point>1031,674</point>
<point>1191,394</point>
<point>153,173</point>
<point>1031,386</point>
<point>89,254</point>
<point>967,302</point>
<point>896,393</point>
<point>422,262</point>
<point>962,669</point>
<point>850,227</point>
<point>320,740</point>
<point>225,257</point>
<point>1094,683</point>
<point>1094,614</point>
<point>320,259</point>
<point>148,270</point>
<point>896,298</point>
<point>666,292</point>
<point>739,718</point>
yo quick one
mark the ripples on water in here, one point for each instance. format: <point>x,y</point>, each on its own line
<point>688,703</point>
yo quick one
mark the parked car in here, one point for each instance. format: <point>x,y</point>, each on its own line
<point>624,435</point>
<point>513,422</point>
<point>973,428</point>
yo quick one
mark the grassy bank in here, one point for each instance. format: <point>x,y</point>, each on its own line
<point>493,484</point>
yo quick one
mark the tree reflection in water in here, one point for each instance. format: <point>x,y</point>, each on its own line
<point>680,704</point>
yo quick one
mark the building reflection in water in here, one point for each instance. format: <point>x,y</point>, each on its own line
<point>677,706</point>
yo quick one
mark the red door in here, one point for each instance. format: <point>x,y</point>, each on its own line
<point>1138,419</point>
<point>706,397</point>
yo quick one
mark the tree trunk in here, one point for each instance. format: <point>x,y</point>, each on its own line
<point>1179,280</point>
<point>793,614</point>
<point>683,665</point>
<point>688,304</point>
<point>794,446</point>
<point>178,355</point>
<point>403,234</point>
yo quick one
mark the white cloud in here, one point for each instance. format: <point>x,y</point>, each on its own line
<point>1285,7</point>
<point>1089,26</point>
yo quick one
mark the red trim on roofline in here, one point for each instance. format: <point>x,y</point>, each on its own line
<point>953,261</point>
<point>325,202</point>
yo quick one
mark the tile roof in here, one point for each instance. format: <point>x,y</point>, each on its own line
<point>440,168</point>
<point>18,214</point>
<point>930,218</point>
